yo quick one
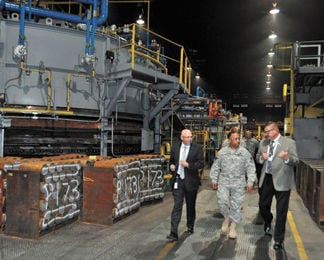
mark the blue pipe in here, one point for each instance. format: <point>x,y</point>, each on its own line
<point>29,5</point>
<point>89,2</point>
<point>94,26</point>
<point>199,91</point>
<point>87,48</point>
<point>21,37</point>
<point>58,15</point>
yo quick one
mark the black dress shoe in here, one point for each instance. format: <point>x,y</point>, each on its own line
<point>267,229</point>
<point>172,237</point>
<point>278,246</point>
<point>189,231</point>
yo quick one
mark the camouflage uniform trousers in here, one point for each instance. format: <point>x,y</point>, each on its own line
<point>230,199</point>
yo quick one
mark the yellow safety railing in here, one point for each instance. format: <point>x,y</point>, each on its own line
<point>37,110</point>
<point>151,49</point>
<point>201,137</point>
<point>168,56</point>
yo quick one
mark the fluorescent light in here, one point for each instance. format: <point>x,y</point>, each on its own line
<point>274,11</point>
<point>272,36</point>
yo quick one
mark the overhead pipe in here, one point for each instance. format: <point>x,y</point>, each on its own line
<point>88,44</point>
<point>21,37</point>
<point>94,25</point>
<point>59,15</point>
<point>30,2</point>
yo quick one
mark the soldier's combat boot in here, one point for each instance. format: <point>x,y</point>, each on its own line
<point>225,224</point>
<point>232,233</point>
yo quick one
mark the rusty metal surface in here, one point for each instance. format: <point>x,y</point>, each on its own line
<point>310,186</point>
<point>98,195</point>
<point>1,200</point>
<point>22,204</point>
<point>111,188</point>
<point>119,186</point>
<point>40,196</point>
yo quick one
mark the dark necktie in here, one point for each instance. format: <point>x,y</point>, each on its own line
<point>271,146</point>
<point>269,166</point>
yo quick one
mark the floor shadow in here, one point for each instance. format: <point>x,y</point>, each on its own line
<point>217,214</point>
<point>262,248</point>
<point>222,248</point>
<point>281,254</point>
<point>258,220</point>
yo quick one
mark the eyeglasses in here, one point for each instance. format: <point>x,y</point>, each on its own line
<point>186,136</point>
<point>267,131</point>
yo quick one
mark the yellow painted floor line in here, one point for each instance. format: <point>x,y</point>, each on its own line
<point>166,249</point>
<point>300,246</point>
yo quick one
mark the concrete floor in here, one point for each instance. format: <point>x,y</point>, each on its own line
<point>142,235</point>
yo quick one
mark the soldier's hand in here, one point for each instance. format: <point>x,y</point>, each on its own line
<point>214,185</point>
<point>249,188</point>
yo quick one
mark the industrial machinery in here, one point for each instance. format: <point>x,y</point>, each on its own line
<point>71,85</point>
<point>84,110</point>
<point>206,117</point>
<point>304,95</point>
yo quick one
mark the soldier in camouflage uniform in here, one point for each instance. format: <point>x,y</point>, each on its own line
<point>251,144</point>
<point>228,175</point>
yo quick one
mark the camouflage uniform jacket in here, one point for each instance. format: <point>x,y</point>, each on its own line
<point>231,167</point>
<point>251,145</point>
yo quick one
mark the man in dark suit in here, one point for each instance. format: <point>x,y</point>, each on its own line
<point>185,161</point>
<point>279,156</point>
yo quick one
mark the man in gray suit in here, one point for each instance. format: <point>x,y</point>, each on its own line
<point>279,156</point>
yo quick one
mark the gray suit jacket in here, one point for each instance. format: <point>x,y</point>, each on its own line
<point>282,172</point>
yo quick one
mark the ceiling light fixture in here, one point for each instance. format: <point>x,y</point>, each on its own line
<point>197,76</point>
<point>269,66</point>
<point>271,53</point>
<point>140,20</point>
<point>272,36</point>
<point>274,10</point>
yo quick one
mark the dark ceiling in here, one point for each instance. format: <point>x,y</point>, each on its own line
<point>228,40</point>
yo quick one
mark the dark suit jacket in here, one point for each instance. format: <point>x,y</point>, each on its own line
<point>196,161</point>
